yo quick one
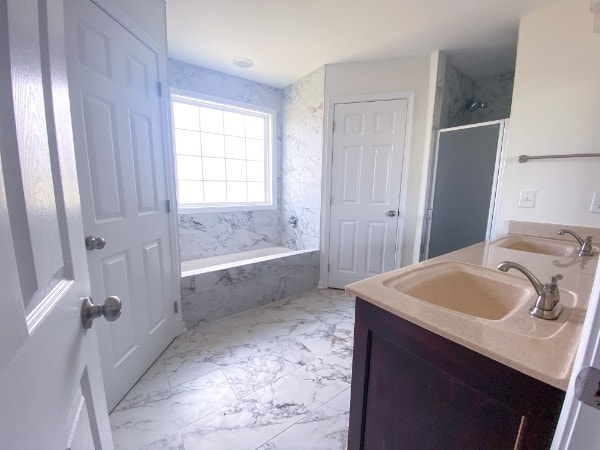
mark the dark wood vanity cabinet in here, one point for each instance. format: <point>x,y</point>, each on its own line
<point>413,389</point>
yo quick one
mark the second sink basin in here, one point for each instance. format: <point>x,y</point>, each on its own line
<point>538,245</point>
<point>467,289</point>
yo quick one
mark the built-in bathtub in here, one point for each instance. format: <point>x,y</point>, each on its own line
<point>220,286</point>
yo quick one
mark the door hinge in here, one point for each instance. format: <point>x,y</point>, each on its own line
<point>168,203</point>
<point>175,307</point>
<point>159,88</point>
<point>587,386</point>
<point>428,214</point>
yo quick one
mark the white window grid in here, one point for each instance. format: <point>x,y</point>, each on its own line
<point>224,155</point>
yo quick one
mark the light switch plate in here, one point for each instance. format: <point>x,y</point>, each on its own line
<point>595,208</point>
<point>527,199</point>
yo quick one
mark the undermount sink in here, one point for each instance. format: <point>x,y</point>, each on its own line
<point>541,246</point>
<point>472,290</point>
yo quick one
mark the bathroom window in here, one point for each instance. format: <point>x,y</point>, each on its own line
<point>224,155</point>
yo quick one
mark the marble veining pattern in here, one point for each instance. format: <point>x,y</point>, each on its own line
<point>298,150</point>
<point>271,378</point>
<point>212,234</point>
<point>210,296</point>
<point>301,161</point>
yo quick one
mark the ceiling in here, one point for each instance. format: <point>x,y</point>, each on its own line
<point>287,39</point>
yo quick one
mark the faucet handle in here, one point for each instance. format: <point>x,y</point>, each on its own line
<point>553,285</point>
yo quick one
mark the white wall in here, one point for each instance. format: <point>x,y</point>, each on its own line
<point>555,110</point>
<point>409,74</point>
<point>148,15</point>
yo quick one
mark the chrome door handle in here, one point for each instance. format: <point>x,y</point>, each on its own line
<point>94,243</point>
<point>111,310</point>
<point>391,213</point>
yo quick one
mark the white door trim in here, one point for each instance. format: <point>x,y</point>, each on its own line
<point>327,168</point>
<point>571,422</point>
<point>165,114</point>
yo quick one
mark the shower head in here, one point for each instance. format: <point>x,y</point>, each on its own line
<point>472,105</point>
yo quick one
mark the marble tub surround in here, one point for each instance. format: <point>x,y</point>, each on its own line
<point>260,379</point>
<point>542,349</point>
<point>233,260</point>
<point>210,234</point>
<point>301,160</point>
<point>298,154</point>
<point>213,234</point>
<point>209,296</point>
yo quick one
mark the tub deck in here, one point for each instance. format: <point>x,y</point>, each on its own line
<point>231,260</point>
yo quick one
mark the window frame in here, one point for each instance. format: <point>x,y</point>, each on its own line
<point>198,99</point>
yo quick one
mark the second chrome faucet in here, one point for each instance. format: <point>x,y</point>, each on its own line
<point>547,304</point>
<point>585,246</point>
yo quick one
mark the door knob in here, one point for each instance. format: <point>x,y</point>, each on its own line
<point>94,243</point>
<point>111,310</point>
<point>391,213</point>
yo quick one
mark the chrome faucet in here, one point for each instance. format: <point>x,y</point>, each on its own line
<point>585,246</point>
<point>547,304</point>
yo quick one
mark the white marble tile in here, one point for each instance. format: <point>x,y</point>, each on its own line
<point>172,442</point>
<point>166,412</point>
<point>195,354</point>
<point>224,293</point>
<point>217,84</point>
<point>301,162</point>
<point>308,387</point>
<point>246,425</point>
<point>257,371</point>
<point>266,412</point>
<point>153,381</point>
<point>180,369</point>
<point>287,362</point>
<point>207,306</point>
<point>325,428</point>
<point>299,146</point>
<point>212,234</point>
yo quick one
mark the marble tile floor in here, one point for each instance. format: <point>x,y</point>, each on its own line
<point>276,377</point>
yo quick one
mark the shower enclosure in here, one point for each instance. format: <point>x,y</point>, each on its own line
<point>463,186</point>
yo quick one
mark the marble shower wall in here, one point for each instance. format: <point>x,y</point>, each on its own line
<point>301,162</point>
<point>213,234</point>
<point>495,90</point>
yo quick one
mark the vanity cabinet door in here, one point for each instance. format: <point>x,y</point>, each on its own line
<point>412,389</point>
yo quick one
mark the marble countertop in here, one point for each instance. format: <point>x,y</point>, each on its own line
<point>542,349</point>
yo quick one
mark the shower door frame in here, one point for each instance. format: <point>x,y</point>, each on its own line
<point>496,185</point>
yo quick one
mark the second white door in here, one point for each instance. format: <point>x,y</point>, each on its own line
<point>121,151</point>
<point>366,176</point>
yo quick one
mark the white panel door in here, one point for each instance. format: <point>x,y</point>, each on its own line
<point>368,150</point>
<point>121,152</point>
<point>51,393</point>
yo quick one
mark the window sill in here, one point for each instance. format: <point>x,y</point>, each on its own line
<point>223,209</point>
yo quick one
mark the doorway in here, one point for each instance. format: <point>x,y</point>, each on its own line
<point>368,147</point>
<point>465,175</point>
